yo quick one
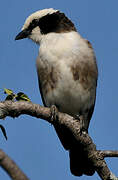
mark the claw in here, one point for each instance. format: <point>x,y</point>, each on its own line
<point>81,120</point>
<point>54,113</point>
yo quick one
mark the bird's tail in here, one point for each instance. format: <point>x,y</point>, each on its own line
<point>79,163</point>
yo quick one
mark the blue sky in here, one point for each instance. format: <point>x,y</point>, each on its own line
<point>33,143</point>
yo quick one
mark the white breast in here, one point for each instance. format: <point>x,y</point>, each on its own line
<point>61,51</point>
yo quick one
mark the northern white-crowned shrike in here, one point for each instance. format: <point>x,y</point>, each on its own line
<point>67,74</point>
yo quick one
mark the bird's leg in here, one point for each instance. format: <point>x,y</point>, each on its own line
<point>82,124</point>
<point>54,114</point>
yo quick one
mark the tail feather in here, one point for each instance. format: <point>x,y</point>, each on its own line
<point>79,163</point>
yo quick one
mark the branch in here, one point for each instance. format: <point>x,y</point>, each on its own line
<point>11,168</point>
<point>109,153</point>
<point>15,109</point>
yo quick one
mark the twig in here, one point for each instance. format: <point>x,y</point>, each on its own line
<point>109,153</point>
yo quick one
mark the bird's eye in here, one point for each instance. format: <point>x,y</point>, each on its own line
<point>33,24</point>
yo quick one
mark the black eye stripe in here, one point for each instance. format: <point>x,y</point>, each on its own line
<point>33,24</point>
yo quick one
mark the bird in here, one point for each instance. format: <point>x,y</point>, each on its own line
<point>67,75</point>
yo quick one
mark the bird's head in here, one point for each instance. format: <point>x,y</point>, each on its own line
<point>43,22</point>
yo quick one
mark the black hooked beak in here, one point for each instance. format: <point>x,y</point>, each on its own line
<point>23,34</point>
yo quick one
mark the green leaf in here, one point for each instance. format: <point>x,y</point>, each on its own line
<point>10,97</point>
<point>8,91</point>
<point>3,131</point>
<point>22,97</point>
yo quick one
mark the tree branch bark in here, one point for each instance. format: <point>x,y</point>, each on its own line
<point>11,168</point>
<point>109,153</point>
<point>15,109</point>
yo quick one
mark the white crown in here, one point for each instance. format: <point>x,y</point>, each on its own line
<point>38,15</point>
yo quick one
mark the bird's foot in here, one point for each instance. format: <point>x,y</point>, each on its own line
<point>82,126</point>
<point>54,114</point>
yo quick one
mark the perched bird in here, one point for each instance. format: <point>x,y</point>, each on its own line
<point>67,74</point>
